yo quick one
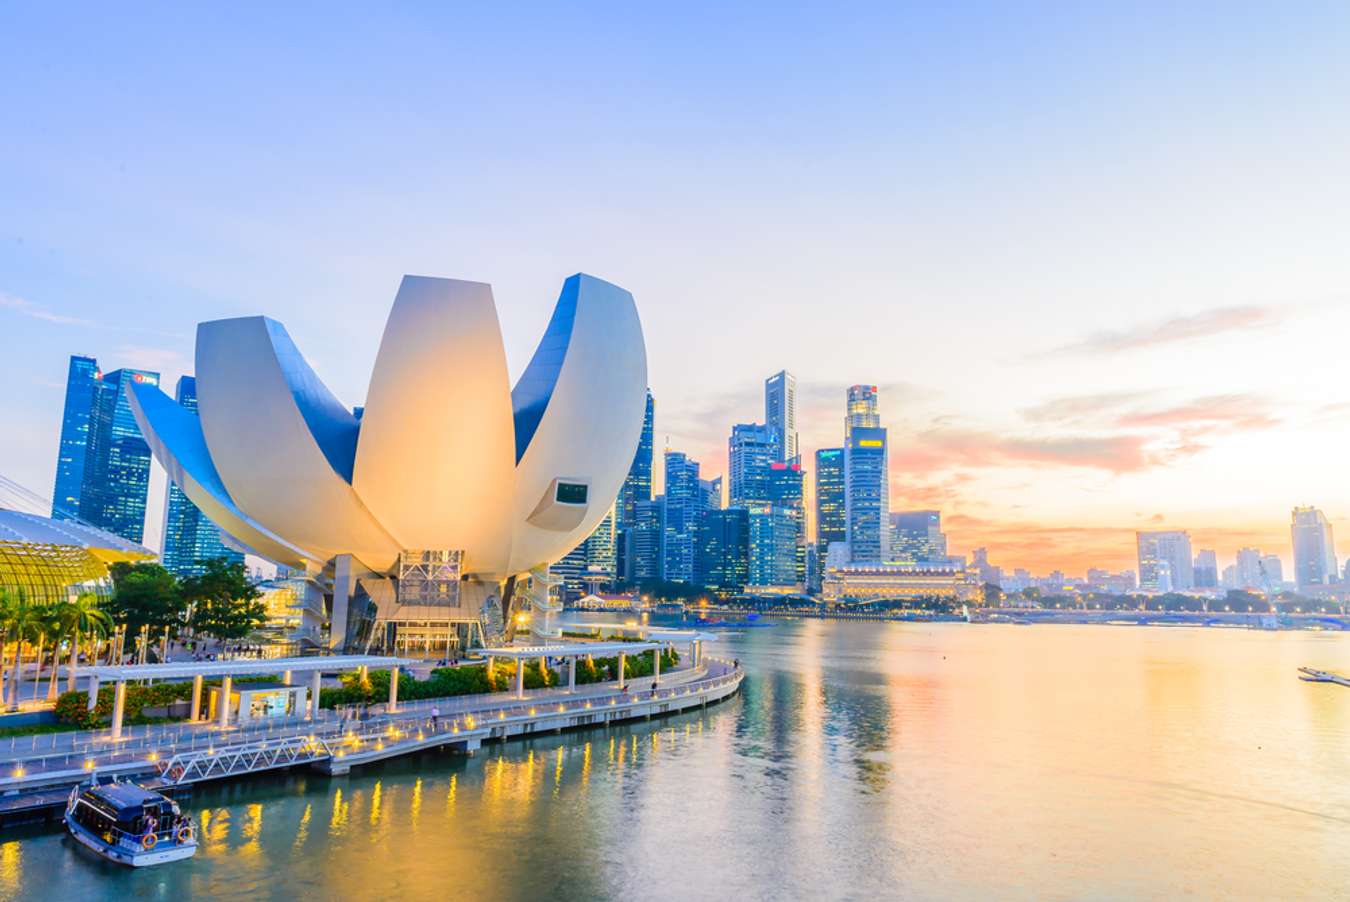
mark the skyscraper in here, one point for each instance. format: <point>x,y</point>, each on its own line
<point>637,486</point>
<point>682,515</point>
<point>725,550</point>
<point>751,449</point>
<point>117,459</point>
<point>866,495</point>
<point>786,491</point>
<point>1206,567</point>
<point>595,556</point>
<point>862,409</point>
<point>773,534</point>
<point>831,525</point>
<point>712,493</point>
<point>81,379</point>
<point>1249,575</point>
<point>190,538</point>
<point>780,413</point>
<point>1165,563</point>
<point>916,537</point>
<point>1314,548</point>
<point>643,541</point>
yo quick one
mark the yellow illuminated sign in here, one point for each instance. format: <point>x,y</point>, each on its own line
<point>870,443</point>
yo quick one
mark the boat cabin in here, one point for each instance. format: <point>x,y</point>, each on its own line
<point>114,810</point>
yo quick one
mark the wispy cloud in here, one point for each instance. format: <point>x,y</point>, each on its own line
<point>25,307</point>
<point>1080,408</point>
<point>1175,330</point>
<point>949,449</point>
<point>1227,412</point>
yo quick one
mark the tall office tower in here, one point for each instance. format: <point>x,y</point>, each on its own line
<point>81,379</point>
<point>866,495</point>
<point>712,493</point>
<point>1228,578</point>
<point>862,409</point>
<point>988,572</point>
<point>773,534</point>
<point>1314,548</point>
<point>813,569</point>
<point>780,413</point>
<point>643,542</point>
<point>1248,571</point>
<point>190,539</point>
<point>786,491</point>
<point>1274,571</point>
<point>683,511</point>
<point>637,486</point>
<point>117,459</point>
<point>916,537</point>
<point>750,450</point>
<point>1206,569</point>
<point>725,550</point>
<point>831,525</point>
<point>1164,560</point>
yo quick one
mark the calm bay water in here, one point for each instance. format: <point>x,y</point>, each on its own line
<point>860,761</point>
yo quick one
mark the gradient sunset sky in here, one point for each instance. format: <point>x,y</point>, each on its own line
<point>1096,256</point>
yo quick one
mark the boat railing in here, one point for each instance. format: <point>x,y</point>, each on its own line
<point>116,836</point>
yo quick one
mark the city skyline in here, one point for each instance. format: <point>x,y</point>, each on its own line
<point>1169,315</point>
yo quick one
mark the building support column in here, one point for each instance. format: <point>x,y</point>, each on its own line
<point>342,594</point>
<point>314,695</point>
<point>93,692</point>
<point>119,705</point>
<point>226,685</point>
<point>393,689</point>
<point>520,678</point>
<point>363,674</point>
<point>286,677</point>
<point>623,661</point>
<point>656,665</point>
<point>572,674</point>
<point>196,698</point>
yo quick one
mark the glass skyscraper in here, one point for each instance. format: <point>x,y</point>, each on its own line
<point>866,495</point>
<point>773,533</point>
<point>917,538</point>
<point>862,409</point>
<point>81,380</point>
<point>643,542</point>
<point>190,539</point>
<point>1314,548</point>
<point>636,488</point>
<point>725,550</point>
<point>751,450</point>
<point>786,492</point>
<point>682,515</point>
<point>831,525</point>
<point>117,459</point>
<point>780,413</point>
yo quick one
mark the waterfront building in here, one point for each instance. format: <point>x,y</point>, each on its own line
<point>415,521</point>
<point>1314,548</point>
<point>813,569</point>
<point>643,540</point>
<point>637,486</point>
<point>725,550</point>
<point>773,533</point>
<point>712,493</point>
<point>786,491</point>
<point>590,563</point>
<point>751,450</point>
<point>1248,564</point>
<point>831,521</point>
<point>190,539</point>
<point>1274,571</point>
<point>780,413</point>
<point>1165,561</point>
<point>117,458</point>
<point>917,537</point>
<point>682,513</point>
<point>899,583</point>
<point>52,561</point>
<point>987,572</point>
<point>866,494</point>
<point>1206,569</point>
<point>862,409</point>
<point>82,377</point>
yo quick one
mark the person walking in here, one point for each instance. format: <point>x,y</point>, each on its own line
<point>435,717</point>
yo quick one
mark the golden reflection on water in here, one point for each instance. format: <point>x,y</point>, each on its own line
<point>416,802</point>
<point>11,864</point>
<point>375,802</point>
<point>302,832</point>
<point>337,823</point>
<point>251,830</point>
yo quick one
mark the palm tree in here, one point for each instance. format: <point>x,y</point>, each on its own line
<point>8,601</point>
<point>83,615</point>
<point>59,630</point>
<point>46,626</point>
<point>25,623</point>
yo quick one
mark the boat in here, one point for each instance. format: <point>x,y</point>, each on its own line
<point>129,824</point>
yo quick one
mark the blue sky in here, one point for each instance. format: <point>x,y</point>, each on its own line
<point>1094,253</point>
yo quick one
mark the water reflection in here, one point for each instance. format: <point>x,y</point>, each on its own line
<point>860,761</point>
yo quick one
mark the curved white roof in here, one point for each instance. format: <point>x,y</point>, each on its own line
<point>17,526</point>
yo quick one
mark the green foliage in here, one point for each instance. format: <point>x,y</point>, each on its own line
<point>602,669</point>
<point>145,595</point>
<point>224,603</point>
<point>444,682</point>
<point>71,707</point>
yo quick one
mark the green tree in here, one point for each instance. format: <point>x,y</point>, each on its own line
<point>224,603</point>
<point>25,624</point>
<point>145,595</point>
<point>81,618</point>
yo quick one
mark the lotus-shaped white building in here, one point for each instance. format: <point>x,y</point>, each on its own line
<point>428,505</point>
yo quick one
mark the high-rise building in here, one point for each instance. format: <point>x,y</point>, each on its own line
<point>1248,572</point>
<point>81,379</point>
<point>1274,571</point>
<point>1206,568</point>
<point>786,491</point>
<point>117,459</point>
<point>862,409</point>
<point>831,524</point>
<point>773,534</point>
<point>780,413</point>
<point>190,539</point>
<point>683,512</point>
<point>593,559</point>
<point>637,486</point>
<point>1165,563</point>
<point>751,449</point>
<point>866,495</point>
<point>1314,548</point>
<point>643,541</point>
<point>712,493</point>
<point>917,537</point>
<point>725,550</point>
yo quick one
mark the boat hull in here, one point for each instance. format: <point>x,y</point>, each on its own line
<point>140,859</point>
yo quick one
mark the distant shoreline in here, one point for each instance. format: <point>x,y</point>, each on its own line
<point>1031,616</point>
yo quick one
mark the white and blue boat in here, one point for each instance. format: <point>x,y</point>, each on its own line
<point>129,824</point>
